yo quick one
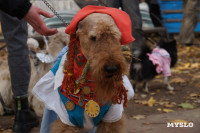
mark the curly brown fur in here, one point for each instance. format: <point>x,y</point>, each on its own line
<point>116,127</point>
<point>59,127</point>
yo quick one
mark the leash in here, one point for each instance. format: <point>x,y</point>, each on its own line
<point>55,12</point>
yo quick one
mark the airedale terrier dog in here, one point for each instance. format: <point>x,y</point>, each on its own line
<point>94,88</point>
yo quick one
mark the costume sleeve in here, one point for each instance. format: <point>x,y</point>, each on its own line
<point>128,86</point>
<point>16,8</point>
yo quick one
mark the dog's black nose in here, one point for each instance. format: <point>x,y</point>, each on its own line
<point>110,68</point>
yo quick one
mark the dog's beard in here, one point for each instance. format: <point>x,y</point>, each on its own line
<point>107,84</point>
<point>107,88</point>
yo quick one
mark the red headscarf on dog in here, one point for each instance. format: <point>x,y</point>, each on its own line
<point>120,17</point>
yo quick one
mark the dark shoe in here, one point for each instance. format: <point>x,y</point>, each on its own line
<point>25,118</point>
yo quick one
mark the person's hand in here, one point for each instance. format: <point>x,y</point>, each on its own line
<point>35,20</point>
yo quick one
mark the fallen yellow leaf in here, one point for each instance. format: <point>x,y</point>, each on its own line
<point>140,102</point>
<point>178,121</point>
<point>176,71</point>
<point>194,95</point>
<point>178,81</point>
<point>159,109</point>
<point>195,66</point>
<point>184,66</point>
<point>196,77</point>
<point>139,117</point>
<point>147,123</point>
<point>168,110</point>
<point>169,105</point>
<point>151,102</point>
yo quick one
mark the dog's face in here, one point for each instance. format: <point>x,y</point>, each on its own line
<point>99,39</point>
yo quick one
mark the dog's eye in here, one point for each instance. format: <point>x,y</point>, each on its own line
<point>93,38</point>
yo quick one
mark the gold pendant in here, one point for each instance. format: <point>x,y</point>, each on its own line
<point>69,105</point>
<point>86,90</point>
<point>92,108</point>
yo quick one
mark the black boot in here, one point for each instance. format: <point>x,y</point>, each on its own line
<point>25,118</point>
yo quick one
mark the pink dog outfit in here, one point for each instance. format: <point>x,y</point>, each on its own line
<point>161,58</point>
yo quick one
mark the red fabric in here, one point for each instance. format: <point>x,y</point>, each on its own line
<point>120,17</point>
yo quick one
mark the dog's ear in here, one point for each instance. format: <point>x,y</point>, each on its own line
<point>33,44</point>
<point>79,28</point>
<point>78,32</point>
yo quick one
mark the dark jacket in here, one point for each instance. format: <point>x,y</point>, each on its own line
<point>16,8</point>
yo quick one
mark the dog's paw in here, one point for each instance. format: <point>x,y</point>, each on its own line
<point>170,88</point>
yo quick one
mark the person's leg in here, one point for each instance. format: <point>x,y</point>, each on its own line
<point>190,20</point>
<point>132,8</point>
<point>49,117</point>
<point>15,34</point>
